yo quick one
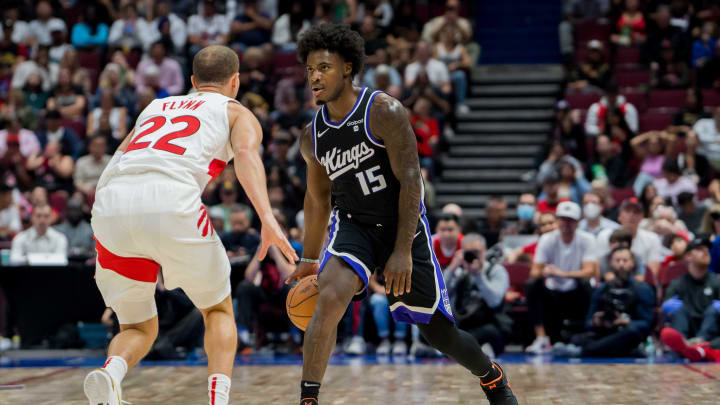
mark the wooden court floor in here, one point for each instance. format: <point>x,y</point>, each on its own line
<point>578,384</point>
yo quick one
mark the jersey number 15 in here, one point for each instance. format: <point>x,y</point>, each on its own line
<point>371,178</point>
<point>191,127</point>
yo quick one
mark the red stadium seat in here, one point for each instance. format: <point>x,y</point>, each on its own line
<point>283,60</point>
<point>519,274</point>
<point>621,194</point>
<point>585,32</point>
<point>77,126</point>
<point>666,98</point>
<point>711,98</point>
<point>636,98</point>
<point>633,79</point>
<point>89,60</point>
<point>655,121</point>
<point>581,101</point>
<point>625,54</point>
<point>669,274</point>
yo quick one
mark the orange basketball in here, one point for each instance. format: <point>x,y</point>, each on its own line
<point>301,301</point>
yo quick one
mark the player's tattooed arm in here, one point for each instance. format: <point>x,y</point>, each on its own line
<point>389,122</point>
<point>317,198</point>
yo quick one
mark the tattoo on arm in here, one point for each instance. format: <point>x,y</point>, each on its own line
<point>389,122</point>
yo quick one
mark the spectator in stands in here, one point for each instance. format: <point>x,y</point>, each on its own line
<point>668,71</point>
<point>477,289</point>
<point>251,28</point>
<point>52,169</point>
<point>708,76</point>
<point>436,71</point>
<point>661,29</point>
<point>593,221</point>
<point>493,227</point>
<point>690,212</point>
<point>40,238</point>
<point>89,167</point>
<point>550,166</point>
<point>9,213</point>
<point>11,16</point>
<point>651,149</point>
<point>39,65</point>
<point>108,120</point>
<point>117,80</point>
<point>558,290</point>
<point>58,41</point>
<point>16,106</point>
<point>170,26</point>
<point>677,244</point>
<point>526,209</point>
<point>708,132</point>
<point>130,31</point>
<point>423,88</point>
<point>609,163</point>
<point>77,230</point>
<point>39,29</point>
<point>572,180</point>
<point>568,130</point>
<point>372,34</point>
<point>381,315</point>
<point>66,98</point>
<point>645,244</point>
<point>547,222</point>
<point>431,30</point>
<point>16,145</point>
<point>207,28</point>
<point>35,96</point>
<point>593,74</point>
<point>664,221</point>
<point>691,112</point>
<point>630,25</point>
<point>450,51</point>
<point>288,27</point>
<point>620,316</point>
<point>426,130</point>
<point>241,241</point>
<point>692,164</point>
<point>384,78</point>
<point>621,237</point>
<point>170,76</point>
<point>79,76</point>
<point>56,132</point>
<point>89,31</point>
<point>550,197</point>
<point>595,120</point>
<point>673,182</point>
<point>152,83</point>
<point>704,46</point>
<point>692,304</point>
<point>447,239</point>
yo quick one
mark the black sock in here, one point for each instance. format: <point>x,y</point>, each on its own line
<point>309,389</point>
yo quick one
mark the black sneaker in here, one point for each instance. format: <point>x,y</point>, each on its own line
<point>309,401</point>
<point>498,391</point>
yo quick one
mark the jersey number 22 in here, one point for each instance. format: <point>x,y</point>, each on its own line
<point>191,127</point>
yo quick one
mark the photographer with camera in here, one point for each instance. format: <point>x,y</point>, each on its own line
<point>477,289</point>
<point>620,315</point>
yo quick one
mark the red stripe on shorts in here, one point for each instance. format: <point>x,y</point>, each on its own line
<point>134,268</point>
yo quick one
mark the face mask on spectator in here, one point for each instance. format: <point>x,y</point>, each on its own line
<point>525,212</point>
<point>592,210</point>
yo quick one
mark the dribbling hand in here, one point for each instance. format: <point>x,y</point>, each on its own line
<point>272,234</point>
<point>303,270</point>
<point>398,273</point>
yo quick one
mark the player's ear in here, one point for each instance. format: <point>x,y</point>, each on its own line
<point>348,68</point>
<point>192,80</point>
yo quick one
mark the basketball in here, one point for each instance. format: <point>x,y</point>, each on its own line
<point>301,301</point>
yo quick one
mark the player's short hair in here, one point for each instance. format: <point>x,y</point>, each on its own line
<point>215,64</point>
<point>336,38</point>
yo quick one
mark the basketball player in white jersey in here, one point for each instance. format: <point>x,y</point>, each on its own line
<point>148,215</point>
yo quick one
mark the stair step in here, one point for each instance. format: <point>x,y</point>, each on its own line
<point>516,90</point>
<point>498,139</point>
<point>495,150</point>
<point>504,127</point>
<point>507,115</point>
<point>474,200</point>
<point>485,188</point>
<point>495,74</point>
<point>488,163</point>
<point>483,175</point>
<point>510,102</point>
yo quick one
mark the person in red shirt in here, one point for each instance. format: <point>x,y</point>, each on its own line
<point>677,244</point>
<point>425,126</point>
<point>550,197</point>
<point>447,239</point>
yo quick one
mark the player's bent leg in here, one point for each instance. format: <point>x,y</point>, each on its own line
<point>220,346</point>
<point>464,349</point>
<point>338,283</point>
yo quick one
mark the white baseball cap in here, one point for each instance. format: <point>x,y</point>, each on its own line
<point>568,209</point>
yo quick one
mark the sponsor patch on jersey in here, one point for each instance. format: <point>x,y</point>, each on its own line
<point>338,161</point>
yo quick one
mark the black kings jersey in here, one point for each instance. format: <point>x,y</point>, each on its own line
<point>363,184</point>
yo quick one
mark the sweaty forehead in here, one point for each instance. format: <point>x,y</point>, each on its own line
<point>323,56</point>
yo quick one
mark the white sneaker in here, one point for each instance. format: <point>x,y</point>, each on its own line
<point>541,345</point>
<point>488,350</point>
<point>5,344</point>
<point>100,389</point>
<point>384,348</point>
<point>356,346</point>
<point>399,348</point>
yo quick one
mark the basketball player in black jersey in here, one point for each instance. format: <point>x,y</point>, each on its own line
<point>363,176</point>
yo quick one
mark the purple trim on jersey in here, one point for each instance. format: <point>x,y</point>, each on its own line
<point>313,137</point>
<point>444,302</point>
<point>367,120</point>
<point>403,314</point>
<point>352,110</point>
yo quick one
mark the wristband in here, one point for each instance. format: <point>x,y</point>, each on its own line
<point>306,260</point>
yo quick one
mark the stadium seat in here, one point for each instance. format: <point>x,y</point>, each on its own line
<point>625,54</point>
<point>581,52</point>
<point>633,79</point>
<point>669,274</point>
<point>282,60</point>
<point>702,193</point>
<point>581,101</point>
<point>711,98</point>
<point>655,121</point>
<point>519,274</point>
<point>77,126</point>
<point>621,194</point>
<point>636,98</point>
<point>666,98</point>
<point>89,59</point>
<point>587,31</point>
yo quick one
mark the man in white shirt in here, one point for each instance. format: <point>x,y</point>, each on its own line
<point>436,71</point>
<point>178,28</point>
<point>89,167</point>
<point>40,238</point>
<point>708,131</point>
<point>645,244</point>
<point>131,31</point>
<point>208,28</point>
<point>558,289</point>
<point>593,221</point>
<point>39,30</point>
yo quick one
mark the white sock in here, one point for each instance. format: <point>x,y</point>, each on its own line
<point>117,367</point>
<point>218,389</point>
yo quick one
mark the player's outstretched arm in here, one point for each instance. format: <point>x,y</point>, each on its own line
<point>245,138</point>
<point>389,122</point>
<point>316,208</point>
